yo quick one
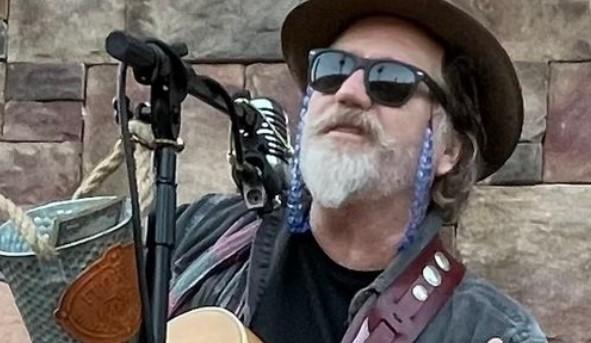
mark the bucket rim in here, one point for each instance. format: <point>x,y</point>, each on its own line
<point>122,223</point>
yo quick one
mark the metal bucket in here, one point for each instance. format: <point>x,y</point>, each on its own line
<point>87,291</point>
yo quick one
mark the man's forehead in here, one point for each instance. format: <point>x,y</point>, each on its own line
<point>391,28</point>
<point>392,37</point>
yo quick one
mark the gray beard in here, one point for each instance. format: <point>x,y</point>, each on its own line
<point>336,176</point>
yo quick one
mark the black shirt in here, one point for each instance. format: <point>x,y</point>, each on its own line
<point>307,300</point>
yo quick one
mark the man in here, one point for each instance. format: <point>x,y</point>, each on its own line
<point>408,103</point>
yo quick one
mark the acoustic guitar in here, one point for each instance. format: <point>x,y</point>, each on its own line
<point>209,325</point>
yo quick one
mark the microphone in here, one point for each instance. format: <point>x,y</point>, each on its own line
<point>263,177</point>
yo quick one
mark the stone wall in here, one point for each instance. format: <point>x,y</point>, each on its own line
<point>526,227</point>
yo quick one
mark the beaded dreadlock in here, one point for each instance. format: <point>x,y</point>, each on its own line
<point>422,194</point>
<point>297,215</point>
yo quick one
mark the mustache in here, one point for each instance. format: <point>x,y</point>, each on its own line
<point>364,121</point>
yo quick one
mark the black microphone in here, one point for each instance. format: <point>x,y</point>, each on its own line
<point>263,177</point>
<point>133,51</point>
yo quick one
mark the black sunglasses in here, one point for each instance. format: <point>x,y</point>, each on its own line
<point>388,82</point>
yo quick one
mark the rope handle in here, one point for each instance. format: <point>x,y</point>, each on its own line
<point>26,227</point>
<point>144,144</point>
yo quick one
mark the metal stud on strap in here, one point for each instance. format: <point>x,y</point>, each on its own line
<point>442,261</point>
<point>420,293</point>
<point>432,276</point>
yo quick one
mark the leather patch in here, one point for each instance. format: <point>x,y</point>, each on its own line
<point>103,304</point>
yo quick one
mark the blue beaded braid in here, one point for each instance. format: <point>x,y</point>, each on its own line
<point>297,216</point>
<point>422,194</point>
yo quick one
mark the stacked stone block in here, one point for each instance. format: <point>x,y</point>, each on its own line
<point>526,228</point>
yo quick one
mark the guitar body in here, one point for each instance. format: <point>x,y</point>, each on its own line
<point>208,325</point>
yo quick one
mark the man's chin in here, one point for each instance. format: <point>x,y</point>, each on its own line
<point>344,143</point>
<point>345,199</point>
<point>331,201</point>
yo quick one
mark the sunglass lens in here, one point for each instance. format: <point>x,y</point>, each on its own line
<point>391,83</point>
<point>329,70</point>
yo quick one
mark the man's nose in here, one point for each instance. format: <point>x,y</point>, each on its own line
<point>353,93</point>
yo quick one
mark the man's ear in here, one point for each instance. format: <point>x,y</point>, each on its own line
<point>450,155</point>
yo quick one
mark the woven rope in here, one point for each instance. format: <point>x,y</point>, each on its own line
<point>144,139</point>
<point>24,223</point>
<point>100,173</point>
<point>144,142</point>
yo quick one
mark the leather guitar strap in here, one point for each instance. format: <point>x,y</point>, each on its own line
<point>403,311</point>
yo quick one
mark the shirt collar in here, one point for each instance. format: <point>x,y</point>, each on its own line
<point>426,232</point>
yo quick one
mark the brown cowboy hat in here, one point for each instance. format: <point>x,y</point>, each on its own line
<point>317,23</point>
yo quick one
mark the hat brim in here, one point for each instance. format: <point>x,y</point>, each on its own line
<point>317,23</point>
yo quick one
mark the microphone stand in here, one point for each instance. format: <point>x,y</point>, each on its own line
<point>160,66</point>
